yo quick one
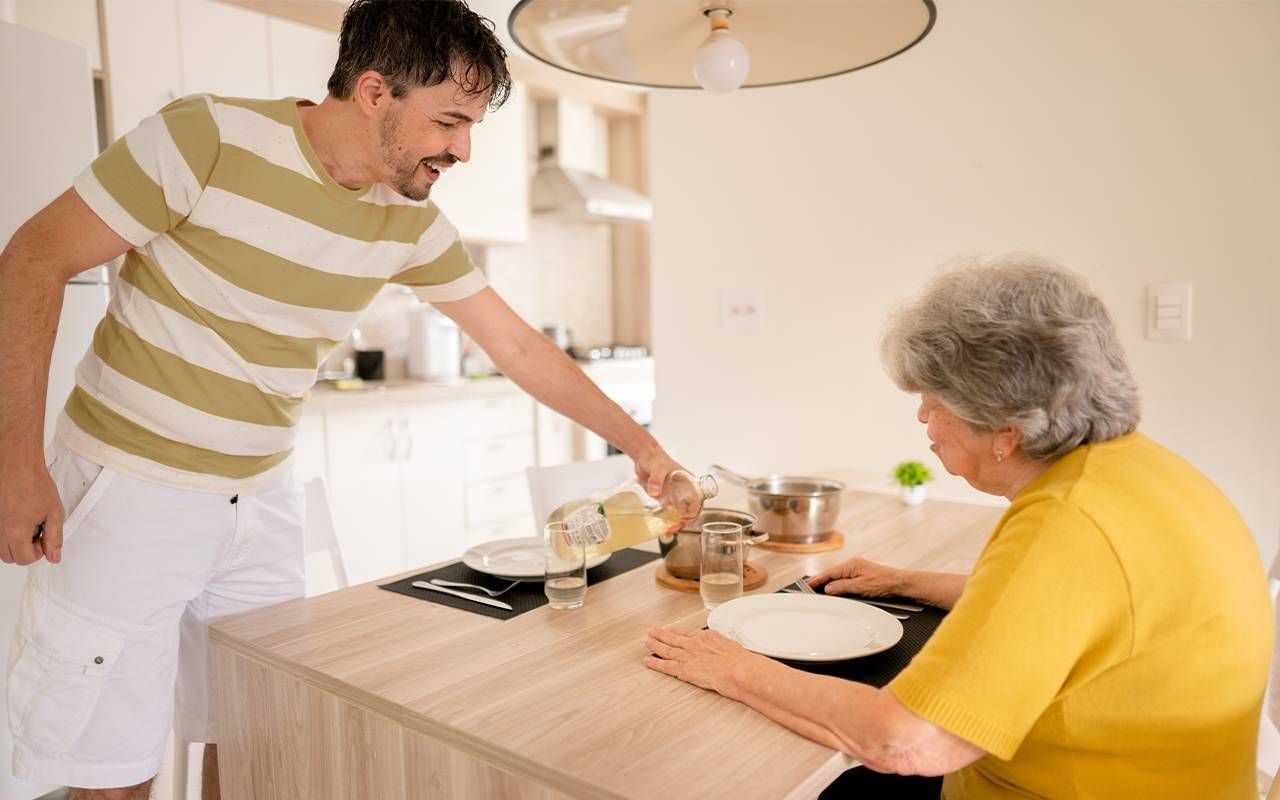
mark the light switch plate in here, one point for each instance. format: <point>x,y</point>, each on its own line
<point>1169,312</point>
<point>740,311</point>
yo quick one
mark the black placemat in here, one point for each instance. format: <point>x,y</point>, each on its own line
<point>881,668</point>
<point>524,597</point>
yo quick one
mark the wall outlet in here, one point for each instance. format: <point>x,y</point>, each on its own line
<point>1169,312</point>
<point>740,311</point>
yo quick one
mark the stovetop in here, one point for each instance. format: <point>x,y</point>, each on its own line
<point>606,352</point>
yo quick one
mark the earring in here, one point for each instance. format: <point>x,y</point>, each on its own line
<point>999,455</point>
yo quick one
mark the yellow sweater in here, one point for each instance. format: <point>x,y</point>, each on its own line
<point>1113,640</point>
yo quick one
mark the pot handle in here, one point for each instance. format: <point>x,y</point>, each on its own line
<point>758,538</point>
<point>734,477</point>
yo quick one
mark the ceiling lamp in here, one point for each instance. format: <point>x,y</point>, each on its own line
<point>665,44</point>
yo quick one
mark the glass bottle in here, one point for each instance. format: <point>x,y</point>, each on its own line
<point>626,515</point>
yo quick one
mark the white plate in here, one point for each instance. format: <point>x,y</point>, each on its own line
<point>515,558</point>
<point>806,627</point>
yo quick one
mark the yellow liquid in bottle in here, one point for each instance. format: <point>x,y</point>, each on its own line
<point>630,523</point>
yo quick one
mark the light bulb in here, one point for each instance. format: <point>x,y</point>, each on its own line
<point>721,62</point>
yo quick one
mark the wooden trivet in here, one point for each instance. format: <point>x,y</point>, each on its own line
<point>752,577</point>
<point>834,543</point>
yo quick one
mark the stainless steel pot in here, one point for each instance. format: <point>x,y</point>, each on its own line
<point>791,510</point>
<point>682,551</point>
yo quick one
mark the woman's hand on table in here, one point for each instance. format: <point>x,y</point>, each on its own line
<point>859,576</point>
<point>703,658</point>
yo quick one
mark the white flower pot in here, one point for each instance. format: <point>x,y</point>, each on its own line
<point>913,495</point>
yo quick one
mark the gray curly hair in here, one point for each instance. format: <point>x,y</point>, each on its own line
<point>1016,341</point>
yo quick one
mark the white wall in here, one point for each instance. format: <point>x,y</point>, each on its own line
<point>1134,142</point>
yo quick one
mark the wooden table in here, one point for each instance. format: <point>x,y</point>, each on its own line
<point>363,693</point>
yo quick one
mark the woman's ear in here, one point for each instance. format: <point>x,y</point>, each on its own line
<point>1005,442</point>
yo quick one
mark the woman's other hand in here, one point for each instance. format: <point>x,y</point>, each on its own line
<point>859,576</point>
<point>703,658</point>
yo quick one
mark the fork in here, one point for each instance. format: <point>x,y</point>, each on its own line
<point>805,588</point>
<point>490,592</point>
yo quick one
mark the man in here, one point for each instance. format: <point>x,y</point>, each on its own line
<point>254,232</point>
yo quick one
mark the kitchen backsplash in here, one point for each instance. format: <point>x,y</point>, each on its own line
<point>562,275</point>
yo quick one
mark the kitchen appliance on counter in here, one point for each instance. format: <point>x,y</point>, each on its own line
<point>561,335</point>
<point>435,346</point>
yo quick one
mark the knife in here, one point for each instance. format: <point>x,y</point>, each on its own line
<point>886,604</point>
<point>488,601</point>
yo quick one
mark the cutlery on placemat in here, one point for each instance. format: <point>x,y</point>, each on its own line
<point>803,587</point>
<point>872,601</point>
<point>886,604</point>
<point>490,592</point>
<point>488,601</point>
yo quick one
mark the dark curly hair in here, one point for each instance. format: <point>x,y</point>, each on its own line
<point>420,43</point>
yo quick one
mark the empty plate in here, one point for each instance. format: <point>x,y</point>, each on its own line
<point>805,627</point>
<point>515,558</point>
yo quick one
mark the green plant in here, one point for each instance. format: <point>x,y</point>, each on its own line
<point>912,473</point>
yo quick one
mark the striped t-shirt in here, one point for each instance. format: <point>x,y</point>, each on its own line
<point>249,264</point>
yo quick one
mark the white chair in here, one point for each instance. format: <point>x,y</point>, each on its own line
<point>322,535</point>
<point>323,555</point>
<point>552,487</point>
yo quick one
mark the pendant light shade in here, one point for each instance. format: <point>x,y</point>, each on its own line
<point>718,45</point>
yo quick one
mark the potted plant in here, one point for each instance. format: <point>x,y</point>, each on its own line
<point>911,476</point>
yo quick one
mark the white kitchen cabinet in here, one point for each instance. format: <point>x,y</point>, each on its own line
<point>302,58</point>
<point>433,484</point>
<point>497,456</point>
<point>487,198</point>
<point>363,449</point>
<point>309,449</point>
<point>500,446</point>
<point>555,437</point>
<point>144,66</point>
<point>492,502</point>
<point>224,49</point>
<point>414,483</point>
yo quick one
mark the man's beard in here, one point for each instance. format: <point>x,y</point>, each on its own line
<point>403,168</point>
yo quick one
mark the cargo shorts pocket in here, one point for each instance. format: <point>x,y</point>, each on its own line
<point>57,669</point>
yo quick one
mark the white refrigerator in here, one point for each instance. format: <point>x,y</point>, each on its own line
<point>48,136</point>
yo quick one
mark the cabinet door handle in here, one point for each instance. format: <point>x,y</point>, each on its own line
<point>395,440</point>
<point>408,440</point>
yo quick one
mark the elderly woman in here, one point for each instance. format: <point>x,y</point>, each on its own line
<point>1113,639</point>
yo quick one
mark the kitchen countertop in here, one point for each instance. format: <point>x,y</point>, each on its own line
<point>366,693</point>
<point>324,397</point>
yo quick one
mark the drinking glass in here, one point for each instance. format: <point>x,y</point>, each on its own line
<point>721,577</point>
<point>565,552</point>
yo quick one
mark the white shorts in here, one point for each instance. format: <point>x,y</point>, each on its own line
<point>111,638</point>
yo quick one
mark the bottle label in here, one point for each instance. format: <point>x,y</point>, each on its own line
<point>594,527</point>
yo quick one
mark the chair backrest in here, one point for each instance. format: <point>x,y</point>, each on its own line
<point>322,537</point>
<point>552,487</point>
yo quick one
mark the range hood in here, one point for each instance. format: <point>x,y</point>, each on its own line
<point>565,187</point>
